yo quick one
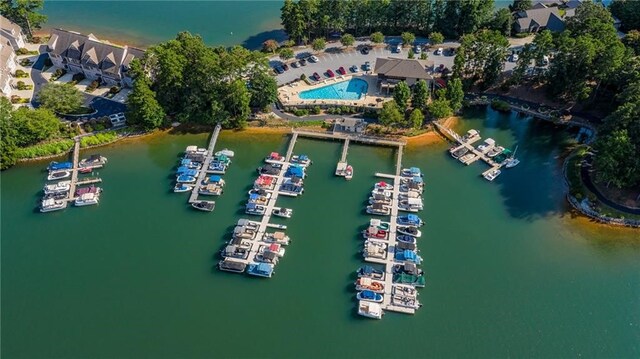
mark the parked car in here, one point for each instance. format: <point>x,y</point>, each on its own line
<point>418,50</point>
<point>278,69</point>
<point>365,50</point>
<point>342,71</point>
<point>315,76</point>
<point>514,57</point>
<point>313,59</point>
<point>295,64</point>
<point>330,73</point>
<point>439,51</point>
<point>303,62</point>
<point>366,66</point>
<point>285,67</point>
<point>398,49</point>
<point>354,68</point>
<point>451,51</point>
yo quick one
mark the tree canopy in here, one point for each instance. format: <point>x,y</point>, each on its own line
<point>347,40</point>
<point>24,13</point>
<point>401,95</point>
<point>480,57</point>
<point>318,44</point>
<point>420,95</point>
<point>377,37</point>
<point>61,98</point>
<point>628,11</point>
<point>390,114</point>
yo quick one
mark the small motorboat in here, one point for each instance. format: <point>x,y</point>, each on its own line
<point>407,268</point>
<point>59,166</point>
<point>370,272</point>
<point>214,180</point>
<point>370,309</point>
<point>411,172</point>
<point>274,157</point>
<point>373,249</point>
<point>85,170</point>
<point>190,164</point>
<point>380,200</point>
<point>379,209</point>
<point>411,205</point>
<point>229,265</point>
<point>381,193</point>
<point>233,251</point>
<point>61,195</point>
<point>409,230</point>
<point>283,212</point>
<point>89,189</point>
<point>406,238</point>
<point>276,237</point>
<point>225,152</point>
<point>259,192</point>
<point>210,190</point>
<point>264,182</point>
<point>458,152</point>
<point>365,283</point>
<point>511,162</point>
<point>222,159</point>
<point>410,220</point>
<point>51,204</point>
<point>495,151</point>
<point>302,160</point>
<point>260,269</point>
<point>384,186</point>
<point>87,199</point>
<point>470,135</point>
<point>488,144</point>
<point>491,175</point>
<point>369,296</point>
<point>206,206</point>
<point>379,224</point>
<point>468,158</point>
<point>60,187</point>
<point>186,179</point>
<point>374,232</point>
<point>181,187</point>
<point>57,175</point>
<point>270,169</point>
<point>404,301</point>
<point>348,173</point>
<point>255,209</point>
<point>408,255</point>
<point>217,167</point>
<point>295,171</point>
<point>93,160</point>
<point>258,199</point>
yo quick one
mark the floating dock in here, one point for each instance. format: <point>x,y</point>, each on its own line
<point>205,164</point>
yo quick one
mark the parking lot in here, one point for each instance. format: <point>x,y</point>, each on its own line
<point>335,57</point>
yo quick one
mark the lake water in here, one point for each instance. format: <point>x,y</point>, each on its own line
<point>510,273</point>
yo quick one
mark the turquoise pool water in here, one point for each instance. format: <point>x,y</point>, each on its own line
<point>345,90</point>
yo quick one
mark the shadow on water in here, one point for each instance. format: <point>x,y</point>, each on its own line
<point>255,42</point>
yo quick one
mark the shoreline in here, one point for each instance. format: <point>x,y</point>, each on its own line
<point>432,137</point>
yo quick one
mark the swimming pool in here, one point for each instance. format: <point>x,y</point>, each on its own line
<point>345,90</point>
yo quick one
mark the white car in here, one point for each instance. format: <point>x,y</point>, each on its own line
<point>514,58</point>
<point>439,51</point>
<point>313,59</point>
<point>418,50</point>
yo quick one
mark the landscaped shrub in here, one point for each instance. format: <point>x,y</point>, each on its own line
<point>300,112</point>
<point>78,77</point>
<point>20,85</point>
<point>98,139</point>
<point>26,62</point>
<point>58,74</point>
<point>45,149</point>
<point>23,51</point>
<point>315,110</point>
<point>93,85</point>
<point>501,106</point>
<point>17,99</point>
<point>21,74</point>
<point>303,77</point>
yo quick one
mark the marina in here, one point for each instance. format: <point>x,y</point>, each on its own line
<point>58,195</point>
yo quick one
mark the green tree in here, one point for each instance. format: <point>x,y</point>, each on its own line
<point>8,135</point>
<point>440,108</point>
<point>455,94</point>
<point>632,41</point>
<point>617,160</point>
<point>390,114</point>
<point>436,38</point>
<point>24,13</point>
<point>401,95</point>
<point>520,5</point>
<point>420,95</point>
<point>143,110</point>
<point>263,90</point>
<point>34,126</point>
<point>270,46</point>
<point>318,44</point>
<point>236,103</point>
<point>293,20</point>
<point>481,57</point>
<point>347,40</point>
<point>411,54</point>
<point>61,98</point>
<point>416,118</point>
<point>286,53</point>
<point>502,21</point>
<point>408,38</point>
<point>377,37</point>
<point>628,11</point>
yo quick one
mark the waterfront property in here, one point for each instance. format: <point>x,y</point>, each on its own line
<point>11,39</point>
<point>391,71</point>
<point>96,59</point>
<point>543,17</point>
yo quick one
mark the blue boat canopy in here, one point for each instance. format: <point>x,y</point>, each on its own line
<point>185,162</point>
<point>185,177</point>
<point>367,294</point>
<point>60,165</point>
<point>414,170</point>
<point>215,178</point>
<point>182,169</point>
<point>296,171</point>
<point>190,172</point>
<point>303,157</point>
<point>417,179</point>
<point>254,196</point>
<point>413,218</point>
<point>264,268</point>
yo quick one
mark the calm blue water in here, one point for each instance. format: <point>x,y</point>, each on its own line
<point>345,90</point>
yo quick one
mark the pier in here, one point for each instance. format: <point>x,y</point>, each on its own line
<point>369,140</point>
<point>74,170</point>
<point>205,164</point>
<point>342,164</point>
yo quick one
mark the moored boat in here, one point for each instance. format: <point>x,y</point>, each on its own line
<point>370,272</point>
<point>229,265</point>
<point>409,230</point>
<point>407,268</point>
<point>370,309</point>
<point>379,209</point>
<point>411,172</point>
<point>348,173</point>
<point>274,157</point>
<point>255,209</point>
<point>85,170</point>
<point>93,160</point>
<point>181,187</point>
<point>369,296</point>
<point>276,237</point>
<point>410,205</point>
<point>59,166</point>
<point>301,160</point>
<point>210,190</point>
<point>283,212</point>
<point>234,251</point>
<point>226,152</point>
<point>51,204</point>
<point>511,162</point>
<point>408,256</point>
<point>409,279</point>
<point>491,175</point>
<point>57,175</point>
<point>365,283</point>
<point>89,189</point>
<point>405,301</point>
<point>87,199</point>
<point>383,186</point>
<point>186,179</point>
<point>260,269</point>
<point>206,206</point>
<point>374,249</point>
<point>60,187</point>
<point>495,151</point>
<point>410,220</point>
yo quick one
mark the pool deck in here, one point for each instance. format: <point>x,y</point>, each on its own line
<point>289,94</point>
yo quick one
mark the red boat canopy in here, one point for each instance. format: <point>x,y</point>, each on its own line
<point>382,184</point>
<point>274,155</point>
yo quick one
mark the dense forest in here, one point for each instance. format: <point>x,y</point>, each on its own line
<point>191,82</point>
<point>305,20</point>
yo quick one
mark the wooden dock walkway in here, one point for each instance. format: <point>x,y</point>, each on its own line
<point>74,170</point>
<point>479,155</point>
<point>292,144</point>
<point>345,150</point>
<point>205,165</point>
<point>370,140</point>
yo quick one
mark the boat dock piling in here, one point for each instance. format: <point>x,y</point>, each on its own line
<point>205,164</point>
